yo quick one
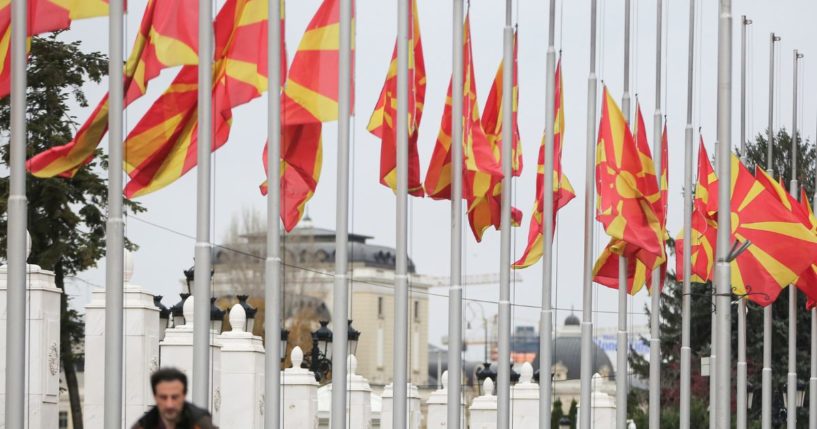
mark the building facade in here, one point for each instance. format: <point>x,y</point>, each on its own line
<point>308,275</point>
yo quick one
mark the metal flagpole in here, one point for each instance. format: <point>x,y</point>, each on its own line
<point>622,337</point>
<point>455,287</point>
<point>766,374</point>
<point>589,207</point>
<point>17,224</point>
<point>546,317</point>
<point>503,391</point>
<point>272,278</point>
<point>201,288</point>
<point>791,376</point>
<point>741,365</point>
<point>340,305</point>
<point>724,346</point>
<point>686,350</point>
<point>401,301</point>
<point>812,397</point>
<point>655,307</point>
<point>115,225</point>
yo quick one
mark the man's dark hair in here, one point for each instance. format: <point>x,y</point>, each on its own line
<point>167,374</point>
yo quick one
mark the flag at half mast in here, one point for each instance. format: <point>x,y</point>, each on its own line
<point>562,189</point>
<point>383,121</point>
<point>168,37</point>
<point>629,200</point>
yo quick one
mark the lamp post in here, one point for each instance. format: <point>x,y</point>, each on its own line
<point>352,335</point>
<point>177,311</point>
<point>216,317</point>
<point>250,310</point>
<point>321,359</point>
<point>164,316</point>
<point>284,342</point>
<point>799,398</point>
<point>564,423</point>
<point>483,372</point>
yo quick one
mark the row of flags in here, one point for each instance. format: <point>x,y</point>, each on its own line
<point>766,217</point>
<point>631,194</point>
<point>162,146</point>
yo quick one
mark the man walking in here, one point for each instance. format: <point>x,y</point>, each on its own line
<point>172,411</point>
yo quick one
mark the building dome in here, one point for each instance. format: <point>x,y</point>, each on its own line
<point>567,353</point>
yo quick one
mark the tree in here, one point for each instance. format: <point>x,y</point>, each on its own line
<point>66,217</point>
<point>670,311</point>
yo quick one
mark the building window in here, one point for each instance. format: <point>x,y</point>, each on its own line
<point>379,307</point>
<point>416,311</point>
<point>63,421</point>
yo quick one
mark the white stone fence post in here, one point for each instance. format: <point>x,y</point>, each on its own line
<point>299,402</point>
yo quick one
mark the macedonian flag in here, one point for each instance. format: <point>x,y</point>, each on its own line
<point>478,156</point>
<point>638,268</point>
<point>562,190</point>
<point>807,281</point>
<point>383,122</point>
<point>43,16</point>
<point>758,217</point>
<point>310,98</point>
<point>486,211</point>
<point>163,145</point>
<point>627,190</point>
<point>168,37</point>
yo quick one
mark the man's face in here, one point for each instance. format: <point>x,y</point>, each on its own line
<point>169,399</point>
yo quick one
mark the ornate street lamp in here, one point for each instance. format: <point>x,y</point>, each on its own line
<point>352,336</point>
<point>164,316</point>
<point>216,317</point>
<point>321,359</point>
<point>249,310</point>
<point>284,342</point>
<point>177,311</point>
<point>564,423</point>
<point>801,395</point>
<point>483,372</point>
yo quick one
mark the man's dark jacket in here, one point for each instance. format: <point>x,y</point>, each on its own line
<point>193,417</point>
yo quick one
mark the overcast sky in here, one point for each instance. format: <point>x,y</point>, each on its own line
<point>166,243</point>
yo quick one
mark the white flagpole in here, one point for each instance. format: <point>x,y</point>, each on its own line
<point>401,301</point>
<point>791,376</point>
<point>201,287</point>
<point>115,225</point>
<point>340,305</point>
<point>622,346</point>
<point>655,307</point>
<point>766,373</point>
<point>546,317</point>
<point>455,287</point>
<point>686,350</point>
<point>723,272</point>
<point>272,275</point>
<point>17,224</point>
<point>503,391</point>
<point>741,365</point>
<point>589,217</point>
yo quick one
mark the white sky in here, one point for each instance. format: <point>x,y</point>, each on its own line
<point>238,169</point>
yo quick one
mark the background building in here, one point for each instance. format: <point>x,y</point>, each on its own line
<point>309,258</point>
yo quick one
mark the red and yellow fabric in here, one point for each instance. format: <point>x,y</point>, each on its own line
<point>310,98</point>
<point>478,156</point>
<point>807,280</point>
<point>383,121</point>
<point>810,275</point>
<point>168,37</point>
<point>162,147</point>
<point>562,189</point>
<point>627,192</point>
<point>43,16</point>
<point>768,265</point>
<point>486,211</point>
<point>704,228</point>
